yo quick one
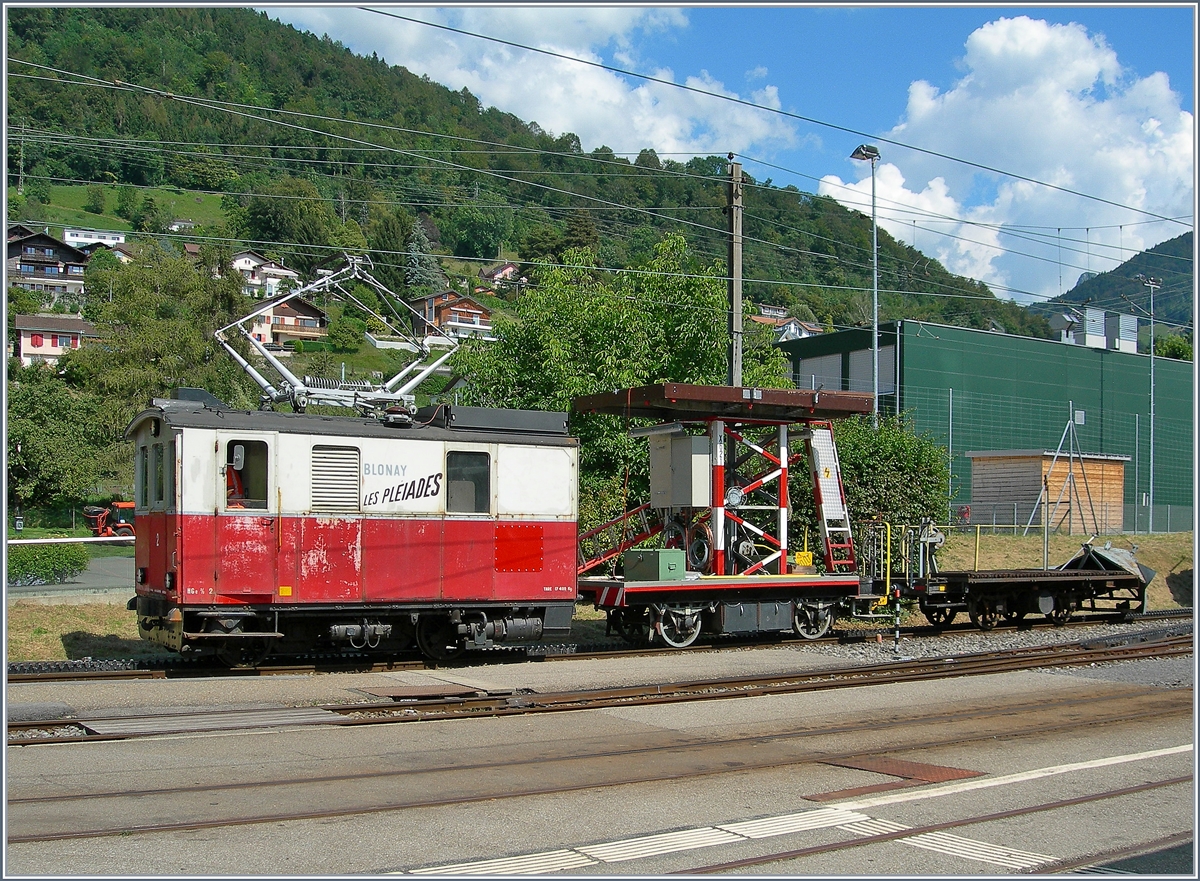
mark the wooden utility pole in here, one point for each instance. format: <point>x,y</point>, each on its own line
<point>735,272</point>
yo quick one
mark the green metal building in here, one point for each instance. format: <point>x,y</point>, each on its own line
<point>973,390</point>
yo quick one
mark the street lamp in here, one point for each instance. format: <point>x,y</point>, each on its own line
<point>868,153</point>
<point>1151,283</point>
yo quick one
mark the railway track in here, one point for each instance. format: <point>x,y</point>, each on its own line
<point>101,670</point>
<point>162,802</point>
<point>424,704</point>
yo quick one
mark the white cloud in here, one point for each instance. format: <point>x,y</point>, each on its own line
<point>561,96</point>
<point>1051,103</point>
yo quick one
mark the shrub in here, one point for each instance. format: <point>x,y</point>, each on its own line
<point>45,564</point>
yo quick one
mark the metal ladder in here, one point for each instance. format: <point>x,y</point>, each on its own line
<point>830,499</point>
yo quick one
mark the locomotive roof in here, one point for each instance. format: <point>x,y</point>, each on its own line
<point>475,425</point>
<point>696,403</point>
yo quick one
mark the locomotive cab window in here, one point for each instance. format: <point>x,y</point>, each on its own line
<point>246,474</point>
<point>160,476</point>
<point>468,483</point>
<point>142,478</point>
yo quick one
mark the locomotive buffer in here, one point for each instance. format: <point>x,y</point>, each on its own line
<point>720,458</point>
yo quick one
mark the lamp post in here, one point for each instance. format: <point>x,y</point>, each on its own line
<point>1151,283</point>
<point>866,152</point>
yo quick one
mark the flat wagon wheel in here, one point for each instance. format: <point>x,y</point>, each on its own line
<point>1061,613</point>
<point>983,615</point>
<point>812,620</point>
<point>438,639</point>
<point>678,627</point>
<point>938,616</point>
<point>633,624</point>
<point>239,651</point>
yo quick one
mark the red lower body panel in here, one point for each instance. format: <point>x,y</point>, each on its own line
<point>247,558</point>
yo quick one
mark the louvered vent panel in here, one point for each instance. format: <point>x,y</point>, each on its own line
<point>335,479</point>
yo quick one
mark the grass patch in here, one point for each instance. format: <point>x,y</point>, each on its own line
<point>67,632</point>
<point>66,207</point>
<point>1168,554</point>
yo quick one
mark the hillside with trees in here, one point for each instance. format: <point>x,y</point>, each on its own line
<point>228,101</point>
<point>1170,263</point>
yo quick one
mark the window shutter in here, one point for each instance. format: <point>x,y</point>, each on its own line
<point>37,340</point>
<point>335,479</point>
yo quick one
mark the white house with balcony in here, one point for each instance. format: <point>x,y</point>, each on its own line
<point>77,238</point>
<point>263,277</point>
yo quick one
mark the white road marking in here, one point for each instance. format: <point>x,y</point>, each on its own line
<point>953,845</point>
<point>653,845</point>
<point>530,864</point>
<point>1023,776</point>
<point>770,826</point>
<point>844,816</point>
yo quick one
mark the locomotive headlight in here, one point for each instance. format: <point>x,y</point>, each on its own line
<point>141,575</point>
<point>169,581</point>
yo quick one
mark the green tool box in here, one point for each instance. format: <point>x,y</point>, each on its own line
<point>655,565</point>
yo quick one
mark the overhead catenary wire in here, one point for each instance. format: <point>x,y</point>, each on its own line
<point>784,113</point>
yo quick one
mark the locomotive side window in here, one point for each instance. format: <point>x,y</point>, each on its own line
<point>156,470</point>
<point>246,474</point>
<point>142,478</point>
<point>468,483</point>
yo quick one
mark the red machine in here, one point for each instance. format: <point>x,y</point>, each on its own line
<point>115,520</point>
<point>265,532</point>
<point>721,499</point>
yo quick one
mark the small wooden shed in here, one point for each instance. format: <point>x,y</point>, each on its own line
<point>1086,492</point>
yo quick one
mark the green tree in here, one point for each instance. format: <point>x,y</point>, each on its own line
<point>348,237</point>
<point>541,244</point>
<point>55,439</point>
<point>148,217</point>
<point>346,334</point>
<point>580,232</point>
<point>479,232</point>
<point>1174,346</point>
<point>156,334</point>
<point>422,272</point>
<point>96,199</point>
<point>127,202</point>
<point>292,212</point>
<point>889,473</point>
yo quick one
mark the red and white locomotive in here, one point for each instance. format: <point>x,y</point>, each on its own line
<point>263,532</point>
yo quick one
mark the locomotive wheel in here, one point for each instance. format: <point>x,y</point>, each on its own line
<point>437,638</point>
<point>677,627</point>
<point>633,624</point>
<point>812,621</point>
<point>938,617</point>
<point>983,615</point>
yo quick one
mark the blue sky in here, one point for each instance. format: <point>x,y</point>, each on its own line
<point>1096,99</point>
